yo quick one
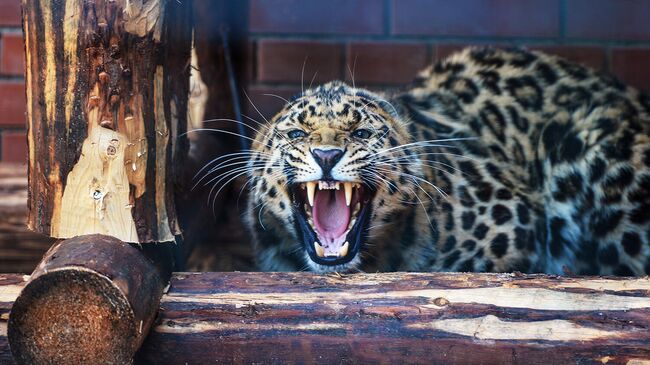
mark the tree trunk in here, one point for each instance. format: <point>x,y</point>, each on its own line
<point>90,301</point>
<point>107,86</point>
<point>400,318</point>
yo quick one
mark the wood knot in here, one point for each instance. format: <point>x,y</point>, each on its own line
<point>107,124</point>
<point>93,101</point>
<point>441,302</point>
<point>126,73</point>
<point>103,77</point>
<point>111,151</point>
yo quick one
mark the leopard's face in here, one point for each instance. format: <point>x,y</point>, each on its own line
<point>330,169</point>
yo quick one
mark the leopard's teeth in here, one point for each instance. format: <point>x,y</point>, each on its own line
<point>311,190</point>
<point>356,209</point>
<point>344,249</point>
<point>348,192</point>
<point>320,251</point>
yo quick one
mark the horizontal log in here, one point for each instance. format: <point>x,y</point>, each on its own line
<point>446,318</point>
<point>91,300</point>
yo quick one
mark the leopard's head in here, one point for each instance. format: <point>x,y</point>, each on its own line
<point>330,170</point>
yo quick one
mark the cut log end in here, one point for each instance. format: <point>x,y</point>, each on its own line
<point>90,301</point>
<point>72,316</point>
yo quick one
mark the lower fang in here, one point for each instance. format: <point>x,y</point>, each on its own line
<point>320,251</point>
<point>344,249</point>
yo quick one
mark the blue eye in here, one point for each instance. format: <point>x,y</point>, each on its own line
<point>296,133</point>
<point>362,134</point>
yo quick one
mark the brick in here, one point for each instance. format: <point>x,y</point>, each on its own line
<point>442,51</point>
<point>268,105</point>
<point>14,146</point>
<point>631,66</point>
<point>12,61</point>
<point>282,61</point>
<point>317,17</point>
<point>608,19</point>
<point>479,18</point>
<point>12,103</point>
<point>10,13</point>
<point>385,63</point>
<point>593,57</point>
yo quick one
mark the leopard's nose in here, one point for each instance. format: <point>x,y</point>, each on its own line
<point>327,158</point>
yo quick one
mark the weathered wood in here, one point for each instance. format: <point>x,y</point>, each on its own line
<point>20,249</point>
<point>393,318</point>
<point>107,86</point>
<point>10,286</point>
<point>401,318</point>
<point>90,301</point>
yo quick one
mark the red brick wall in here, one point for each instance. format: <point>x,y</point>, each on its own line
<point>13,143</point>
<point>385,41</point>
<point>390,40</point>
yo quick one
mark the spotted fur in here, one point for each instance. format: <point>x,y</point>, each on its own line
<point>532,164</point>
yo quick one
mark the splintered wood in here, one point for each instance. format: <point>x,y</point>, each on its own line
<point>106,93</point>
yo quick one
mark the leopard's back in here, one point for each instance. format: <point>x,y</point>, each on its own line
<point>548,169</point>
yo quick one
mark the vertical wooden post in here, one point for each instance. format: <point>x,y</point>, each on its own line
<point>107,89</point>
<point>106,97</point>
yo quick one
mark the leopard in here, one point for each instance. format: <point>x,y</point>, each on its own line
<point>490,160</point>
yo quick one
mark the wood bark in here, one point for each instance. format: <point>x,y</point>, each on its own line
<point>435,318</point>
<point>20,249</point>
<point>395,318</point>
<point>90,301</point>
<point>107,86</point>
<point>401,318</point>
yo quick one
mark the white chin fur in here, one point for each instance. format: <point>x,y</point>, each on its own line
<point>321,269</point>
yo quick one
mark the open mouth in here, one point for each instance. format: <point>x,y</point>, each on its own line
<point>332,217</point>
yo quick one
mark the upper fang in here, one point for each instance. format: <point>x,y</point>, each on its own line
<point>311,190</point>
<point>348,193</point>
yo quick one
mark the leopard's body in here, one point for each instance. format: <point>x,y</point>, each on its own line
<point>492,160</point>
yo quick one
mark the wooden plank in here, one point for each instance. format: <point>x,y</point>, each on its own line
<point>10,286</point>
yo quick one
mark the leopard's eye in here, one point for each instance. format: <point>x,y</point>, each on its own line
<point>362,134</point>
<point>296,133</point>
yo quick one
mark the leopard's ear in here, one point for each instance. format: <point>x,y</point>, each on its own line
<point>389,108</point>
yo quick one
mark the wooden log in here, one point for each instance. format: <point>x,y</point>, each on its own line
<point>90,301</point>
<point>107,87</point>
<point>20,249</point>
<point>392,318</point>
<point>436,318</point>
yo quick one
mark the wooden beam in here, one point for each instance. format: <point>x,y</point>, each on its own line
<point>107,86</point>
<point>450,318</point>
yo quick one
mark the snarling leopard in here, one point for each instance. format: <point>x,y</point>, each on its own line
<point>489,161</point>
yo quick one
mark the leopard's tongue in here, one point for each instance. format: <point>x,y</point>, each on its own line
<point>331,214</point>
